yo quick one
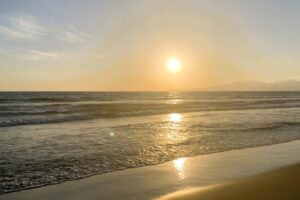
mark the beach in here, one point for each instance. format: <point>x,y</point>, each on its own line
<point>276,185</point>
<point>156,181</point>
<point>149,100</point>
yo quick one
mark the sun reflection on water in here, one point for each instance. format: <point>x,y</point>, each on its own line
<point>174,126</point>
<point>174,101</point>
<point>175,117</point>
<point>179,165</point>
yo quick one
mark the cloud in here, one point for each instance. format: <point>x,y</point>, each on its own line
<point>22,28</point>
<point>74,35</point>
<point>35,55</point>
<point>71,37</point>
<point>14,33</point>
<point>30,28</point>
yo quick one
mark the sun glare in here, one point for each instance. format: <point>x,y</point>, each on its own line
<point>173,65</point>
<point>179,165</point>
<point>175,117</point>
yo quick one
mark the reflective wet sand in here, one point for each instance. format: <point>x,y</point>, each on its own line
<point>275,185</point>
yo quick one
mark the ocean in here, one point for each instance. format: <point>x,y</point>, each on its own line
<point>51,137</point>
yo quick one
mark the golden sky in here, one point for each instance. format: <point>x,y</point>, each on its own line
<point>124,45</point>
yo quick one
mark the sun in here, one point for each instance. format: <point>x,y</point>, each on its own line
<point>173,65</point>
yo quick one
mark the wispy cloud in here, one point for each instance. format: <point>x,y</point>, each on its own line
<point>22,28</point>
<point>74,35</point>
<point>30,28</point>
<point>71,37</point>
<point>35,55</point>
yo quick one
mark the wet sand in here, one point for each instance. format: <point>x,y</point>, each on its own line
<point>151,182</point>
<point>275,185</point>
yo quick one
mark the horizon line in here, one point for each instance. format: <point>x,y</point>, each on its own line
<point>3,91</point>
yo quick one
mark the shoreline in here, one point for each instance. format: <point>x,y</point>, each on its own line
<point>150,182</point>
<point>132,168</point>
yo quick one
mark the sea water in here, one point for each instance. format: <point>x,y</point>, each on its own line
<point>51,137</point>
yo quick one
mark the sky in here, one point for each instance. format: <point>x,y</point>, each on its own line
<point>101,45</point>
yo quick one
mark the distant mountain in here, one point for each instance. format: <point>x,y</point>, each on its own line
<point>289,85</point>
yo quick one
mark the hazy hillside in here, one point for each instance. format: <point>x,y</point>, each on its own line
<point>290,85</point>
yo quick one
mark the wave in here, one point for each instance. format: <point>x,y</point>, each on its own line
<point>51,154</point>
<point>57,107</point>
<point>220,127</point>
<point>35,121</point>
<point>67,113</point>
